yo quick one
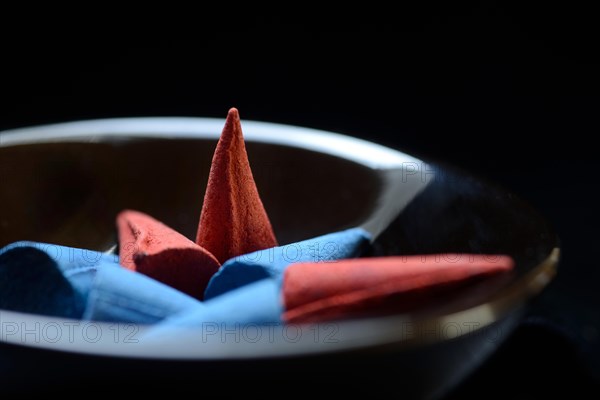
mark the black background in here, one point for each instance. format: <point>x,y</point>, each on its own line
<point>508,91</point>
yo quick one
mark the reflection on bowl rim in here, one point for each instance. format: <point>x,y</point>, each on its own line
<point>349,335</point>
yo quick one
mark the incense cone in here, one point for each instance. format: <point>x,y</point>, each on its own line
<point>152,248</point>
<point>315,292</point>
<point>233,220</point>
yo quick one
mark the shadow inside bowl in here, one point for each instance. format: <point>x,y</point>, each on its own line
<point>70,193</point>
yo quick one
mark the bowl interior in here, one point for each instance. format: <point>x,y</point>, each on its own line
<point>70,193</point>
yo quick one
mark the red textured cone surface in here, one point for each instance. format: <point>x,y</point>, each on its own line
<point>233,220</point>
<point>316,292</point>
<point>152,248</point>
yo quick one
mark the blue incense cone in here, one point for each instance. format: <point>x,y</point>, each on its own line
<point>120,295</point>
<point>270,263</point>
<point>68,282</point>
<point>35,279</point>
<point>258,303</point>
<point>77,266</point>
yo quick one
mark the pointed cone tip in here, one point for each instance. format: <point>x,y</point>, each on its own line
<point>232,130</point>
<point>131,214</point>
<point>233,113</point>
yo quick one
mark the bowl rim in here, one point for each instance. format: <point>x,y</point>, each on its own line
<point>361,151</point>
<point>397,330</point>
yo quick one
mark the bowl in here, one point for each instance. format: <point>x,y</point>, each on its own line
<point>65,183</point>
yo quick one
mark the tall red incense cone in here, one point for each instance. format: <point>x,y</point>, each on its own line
<point>233,220</point>
<point>152,248</point>
<point>315,292</point>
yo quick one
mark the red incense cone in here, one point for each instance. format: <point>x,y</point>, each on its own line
<point>315,292</point>
<point>233,220</point>
<point>152,248</point>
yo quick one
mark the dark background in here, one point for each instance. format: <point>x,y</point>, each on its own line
<point>508,91</point>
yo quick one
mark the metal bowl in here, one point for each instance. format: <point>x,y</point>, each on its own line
<point>65,183</point>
